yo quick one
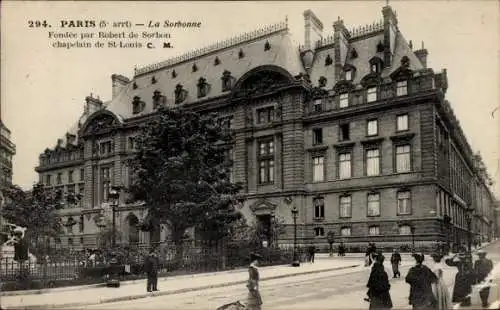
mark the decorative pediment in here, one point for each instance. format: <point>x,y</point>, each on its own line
<point>371,79</point>
<point>203,87</point>
<point>263,207</point>
<point>343,86</point>
<point>403,72</point>
<point>101,123</point>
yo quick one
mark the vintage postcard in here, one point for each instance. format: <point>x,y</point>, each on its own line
<point>250,155</point>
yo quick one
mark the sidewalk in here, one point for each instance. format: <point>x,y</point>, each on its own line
<point>167,286</point>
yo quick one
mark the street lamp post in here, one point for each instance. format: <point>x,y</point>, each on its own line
<point>114,195</point>
<point>295,212</point>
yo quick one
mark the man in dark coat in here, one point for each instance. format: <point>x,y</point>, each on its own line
<point>395,261</point>
<point>151,268</point>
<point>312,250</point>
<point>482,268</point>
<point>420,278</point>
<point>378,285</point>
<point>464,279</point>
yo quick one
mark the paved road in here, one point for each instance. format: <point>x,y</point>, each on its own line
<point>330,290</point>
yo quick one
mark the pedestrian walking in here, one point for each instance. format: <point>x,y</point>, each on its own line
<point>312,250</point>
<point>464,279</point>
<point>254,299</point>
<point>420,279</point>
<point>341,249</point>
<point>378,285</point>
<point>395,262</point>
<point>482,268</point>
<point>440,289</point>
<point>151,268</point>
<point>370,251</point>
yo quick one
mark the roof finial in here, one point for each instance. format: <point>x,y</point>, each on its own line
<point>286,21</point>
<point>422,44</point>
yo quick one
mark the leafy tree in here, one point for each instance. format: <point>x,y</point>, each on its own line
<point>181,172</point>
<point>35,210</point>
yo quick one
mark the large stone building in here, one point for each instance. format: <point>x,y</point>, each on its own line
<point>7,151</point>
<point>351,128</point>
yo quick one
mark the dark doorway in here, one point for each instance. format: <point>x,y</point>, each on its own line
<point>264,227</point>
<point>133,230</point>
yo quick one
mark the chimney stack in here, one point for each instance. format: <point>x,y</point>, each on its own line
<point>390,32</point>
<point>92,104</point>
<point>313,33</point>
<point>422,55</point>
<point>341,45</point>
<point>118,82</point>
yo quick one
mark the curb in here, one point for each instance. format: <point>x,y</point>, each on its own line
<point>173,292</point>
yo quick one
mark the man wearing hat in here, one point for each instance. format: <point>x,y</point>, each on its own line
<point>483,267</point>
<point>151,268</point>
<point>254,299</point>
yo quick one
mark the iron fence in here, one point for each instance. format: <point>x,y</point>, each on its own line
<point>81,268</point>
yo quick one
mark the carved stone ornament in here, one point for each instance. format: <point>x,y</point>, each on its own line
<point>278,111</point>
<point>203,87</point>
<point>263,207</point>
<point>328,60</point>
<point>322,81</point>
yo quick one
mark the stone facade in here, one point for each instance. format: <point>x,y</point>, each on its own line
<point>354,131</point>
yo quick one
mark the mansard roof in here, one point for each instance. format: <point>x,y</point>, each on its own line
<point>281,52</point>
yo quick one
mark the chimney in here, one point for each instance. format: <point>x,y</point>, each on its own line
<point>92,104</point>
<point>70,138</point>
<point>341,45</point>
<point>422,55</point>
<point>313,33</point>
<point>118,82</point>
<point>390,32</point>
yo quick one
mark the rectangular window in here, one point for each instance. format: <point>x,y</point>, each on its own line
<point>318,169</point>
<point>373,205</point>
<point>319,208</point>
<point>59,178</point>
<point>345,231</point>
<point>317,136</point>
<point>344,132</point>
<point>345,206</point>
<point>345,165</point>
<point>404,203</point>
<point>344,100</point>
<point>48,180</point>
<point>70,176</point>
<point>105,183</point>
<point>403,158</point>
<point>371,94</point>
<point>372,127</point>
<point>82,174</point>
<point>265,115</point>
<point>402,122</point>
<point>372,162</point>
<point>131,143</point>
<point>319,231</point>
<point>374,230</point>
<point>266,162</point>
<point>318,105</point>
<point>402,88</point>
<point>81,224</point>
<point>105,148</point>
<point>348,75</point>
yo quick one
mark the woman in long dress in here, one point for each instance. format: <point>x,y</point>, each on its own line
<point>440,290</point>
<point>254,301</point>
<point>378,286</point>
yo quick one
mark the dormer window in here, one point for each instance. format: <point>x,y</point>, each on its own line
<point>267,46</point>
<point>134,85</point>
<point>203,87</point>
<point>180,94</point>
<point>216,61</point>
<point>158,99</point>
<point>376,65</point>
<point>227,81</point>
<point>348,75</point>
<point>371,94</point>
<point>322,81</point>
<point>402,88</point>
<point>153,80</point>
<point>241,54</point>
<point>195,67</point>
<point>328,60</point>
<point>138,105</point>
<point>374,68</point>
<point>174,74</point>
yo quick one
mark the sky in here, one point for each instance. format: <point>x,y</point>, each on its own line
<point>43,88</point>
